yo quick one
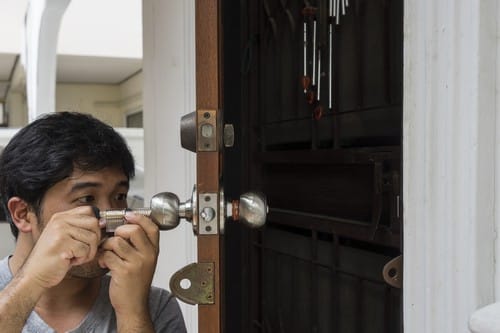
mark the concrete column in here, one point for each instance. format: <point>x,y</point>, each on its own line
<point>43,19</point>
<point>449,162</point>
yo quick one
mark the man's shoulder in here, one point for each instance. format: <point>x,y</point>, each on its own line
<point>5,274</point>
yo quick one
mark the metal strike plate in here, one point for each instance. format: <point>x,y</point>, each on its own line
<point>208,214</point>
<point>194,284</point>
<point>393,272</point>
<point>207,130</point>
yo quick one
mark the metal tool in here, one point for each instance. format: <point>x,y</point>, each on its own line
<point>166,211</point>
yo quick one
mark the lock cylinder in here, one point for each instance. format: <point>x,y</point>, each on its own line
<point>116,217</point>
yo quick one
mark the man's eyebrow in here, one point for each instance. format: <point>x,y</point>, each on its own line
<point>123,183</point>
<point>85,185</point>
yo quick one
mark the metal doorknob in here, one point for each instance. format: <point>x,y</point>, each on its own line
<point>166,211</point>
<point>251,209</point>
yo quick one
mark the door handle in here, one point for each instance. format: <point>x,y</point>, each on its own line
<point>166,211</point>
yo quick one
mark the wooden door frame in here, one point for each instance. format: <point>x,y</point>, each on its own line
<point>208,164</point>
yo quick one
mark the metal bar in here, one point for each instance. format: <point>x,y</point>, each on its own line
<point>335,282</point>
<point>367,109</point>
<point>295,314</point>
<point>336,79</point>
<point>317,222</point>
<point>387,51</point>
<point>328,267</point>
<point>209,96</point>
<point>359,308</point>
<point>387,309</point>
<point>360,56</point>
<point>314,280</point>
<point>314,52</point>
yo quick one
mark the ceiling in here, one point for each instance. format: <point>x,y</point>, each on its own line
<point>87,69</point>
<point>78,69</point>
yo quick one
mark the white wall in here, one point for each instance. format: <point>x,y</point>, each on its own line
<point>169,93</point>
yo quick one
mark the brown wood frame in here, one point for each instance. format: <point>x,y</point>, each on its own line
<point>209,164</point>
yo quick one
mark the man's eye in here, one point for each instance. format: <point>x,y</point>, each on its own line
<point>121,197</point>
<point>86,199</point>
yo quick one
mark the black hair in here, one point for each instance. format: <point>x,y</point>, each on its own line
<point>50,148</point>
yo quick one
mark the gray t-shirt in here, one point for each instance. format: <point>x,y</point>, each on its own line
<point>165,311</point>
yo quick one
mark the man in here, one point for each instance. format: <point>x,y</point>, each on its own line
<point>52,173</point>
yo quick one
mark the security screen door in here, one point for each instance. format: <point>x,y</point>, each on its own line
<point>313,89</point>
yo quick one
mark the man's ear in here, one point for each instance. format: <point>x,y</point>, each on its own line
<point>21,213</point>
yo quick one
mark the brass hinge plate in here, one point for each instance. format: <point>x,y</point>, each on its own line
<point>194,284</point>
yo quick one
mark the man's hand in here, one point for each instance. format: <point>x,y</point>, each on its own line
<point>69,239</point>
<point>131,257</point>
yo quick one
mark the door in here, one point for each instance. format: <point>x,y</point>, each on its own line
<point>315,99</point>
<point>327,154</point>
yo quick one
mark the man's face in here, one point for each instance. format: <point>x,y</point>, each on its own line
<point>104,189</point>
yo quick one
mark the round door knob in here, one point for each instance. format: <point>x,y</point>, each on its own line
<point>252,209</point>
<point>165,210</point>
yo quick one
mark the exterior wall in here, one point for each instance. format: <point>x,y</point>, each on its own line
<point>102,101</point>
<point>131,94</point>
<point>17,108</point>
<point>108,102</point>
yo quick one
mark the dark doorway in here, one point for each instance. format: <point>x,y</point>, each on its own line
<point>328,156</point>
